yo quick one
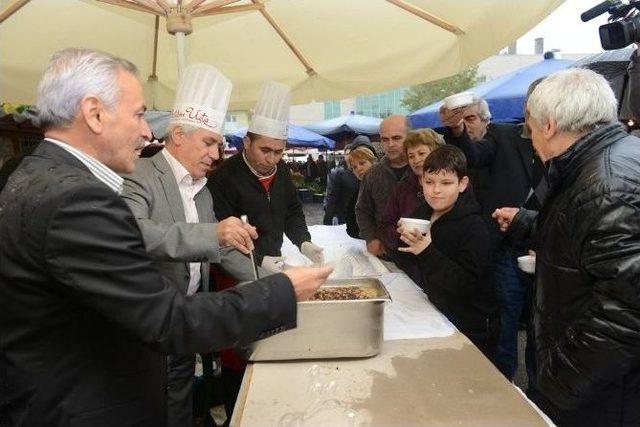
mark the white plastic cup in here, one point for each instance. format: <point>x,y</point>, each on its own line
<point>458,100</point>
<point>527,263</point>
<point>411,224</point>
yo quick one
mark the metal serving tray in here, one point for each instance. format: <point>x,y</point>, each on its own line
<point>330,329</point>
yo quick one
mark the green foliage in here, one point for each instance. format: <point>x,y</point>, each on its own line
<point>10,108</point>
<point>298,181</point>
<point>421,95</point>
<point>313,186</point>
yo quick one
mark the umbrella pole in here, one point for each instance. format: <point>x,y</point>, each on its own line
<point>179,24</point>
<point>180,52</point>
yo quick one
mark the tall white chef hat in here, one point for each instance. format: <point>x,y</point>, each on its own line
<point>202,98</point>
<point>271,115</point>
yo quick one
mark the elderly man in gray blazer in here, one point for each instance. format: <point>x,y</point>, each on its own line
<point>174,210</point>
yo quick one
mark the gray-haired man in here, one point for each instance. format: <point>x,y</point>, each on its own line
<point>587,306</point>
<point>506,174</point>
<point>86,318</point>
<point>174,210</point>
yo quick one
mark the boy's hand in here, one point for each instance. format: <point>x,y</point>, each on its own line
<point>416,242</point>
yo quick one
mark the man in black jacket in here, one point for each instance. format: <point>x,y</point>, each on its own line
<point>587,305</point>
<point>342,185</point>
<point>257,183</point>
<point>511,174</point>
<point>85,319</point>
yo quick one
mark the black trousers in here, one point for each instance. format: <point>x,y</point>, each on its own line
<point>486,340</point>
<point>180,372</point>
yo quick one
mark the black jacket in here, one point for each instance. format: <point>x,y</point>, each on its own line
<point>342,185</point>
<point>236,191</point>
<point>513,169</point>
<point>84,316</point>
<point>455,265</point>
<point>352,224</point>
<point>587,307</point>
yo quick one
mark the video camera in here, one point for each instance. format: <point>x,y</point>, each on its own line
<point>624,26</point>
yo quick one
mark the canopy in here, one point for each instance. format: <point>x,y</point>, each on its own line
<point>323,49</point>
<point>505,95</point>
<point>297,137</point>
<point>350,123</point>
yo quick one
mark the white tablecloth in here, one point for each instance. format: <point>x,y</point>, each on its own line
<point>409,315</point>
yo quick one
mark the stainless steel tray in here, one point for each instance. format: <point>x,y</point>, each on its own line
<point>330,329</point>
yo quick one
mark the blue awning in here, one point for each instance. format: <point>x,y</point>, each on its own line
<point>297,137</point>
<point>351,123</point>
<point>505,95</point>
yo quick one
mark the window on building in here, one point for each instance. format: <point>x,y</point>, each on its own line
<point>382,104</point>
<point>331,109</point>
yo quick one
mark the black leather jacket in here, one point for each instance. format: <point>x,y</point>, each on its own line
<point>587,307</point>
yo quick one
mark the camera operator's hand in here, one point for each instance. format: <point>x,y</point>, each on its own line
<point>453,119</point>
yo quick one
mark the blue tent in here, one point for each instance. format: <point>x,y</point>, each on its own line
<point>350,123</point>
<point>505,95</point>
<point>297,137</point>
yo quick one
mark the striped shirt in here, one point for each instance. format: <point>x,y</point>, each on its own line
<point>99,170</point>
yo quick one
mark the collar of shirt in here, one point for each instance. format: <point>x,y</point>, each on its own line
<point>98,169</point>
<point>255,172</point>
<point>182,175</point>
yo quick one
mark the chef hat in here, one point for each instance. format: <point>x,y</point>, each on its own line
<point>202,98</point>
<point>271,115</point>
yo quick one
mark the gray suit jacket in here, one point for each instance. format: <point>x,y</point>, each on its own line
<point>154,198</point>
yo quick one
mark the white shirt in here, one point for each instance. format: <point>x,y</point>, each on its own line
<point>99,170</point>
<point>188,189</point>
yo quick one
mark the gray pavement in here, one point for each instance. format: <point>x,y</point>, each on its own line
<point>313,213</point>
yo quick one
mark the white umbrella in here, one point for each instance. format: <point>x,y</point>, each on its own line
<point>324,49</point>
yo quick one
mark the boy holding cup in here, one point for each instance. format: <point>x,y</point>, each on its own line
<point>454,255</point>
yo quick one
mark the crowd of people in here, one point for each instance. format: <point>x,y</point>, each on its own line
<point>108,258</point>
<point>562,186</point>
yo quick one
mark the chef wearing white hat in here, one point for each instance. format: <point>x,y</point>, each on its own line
<point>174,209</point>
<point>257,183</point>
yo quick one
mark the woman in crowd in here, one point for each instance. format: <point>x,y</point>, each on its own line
<point>360,158</point>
